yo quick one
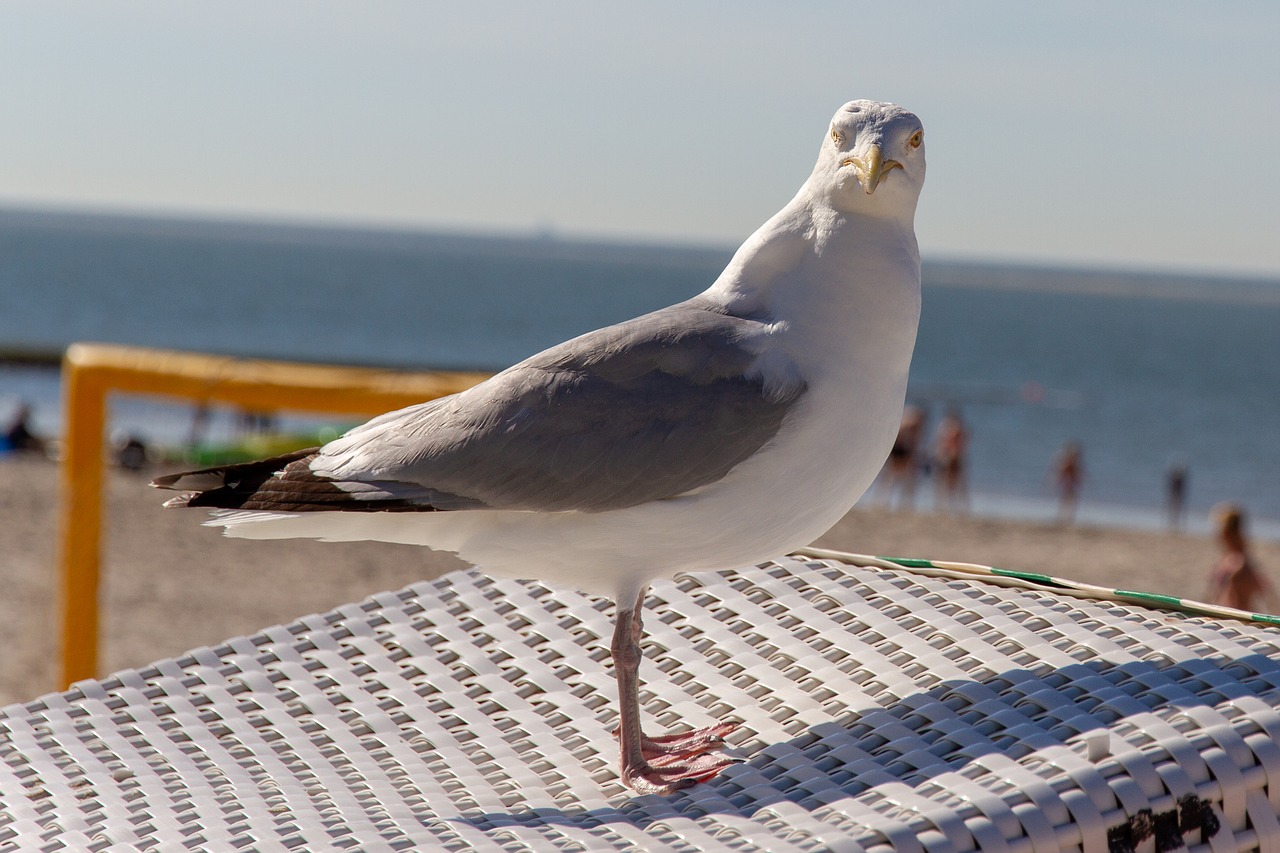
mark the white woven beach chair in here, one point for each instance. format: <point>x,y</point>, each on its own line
<point>882,710</point>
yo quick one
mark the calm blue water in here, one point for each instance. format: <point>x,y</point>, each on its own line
<point>1141,369</point>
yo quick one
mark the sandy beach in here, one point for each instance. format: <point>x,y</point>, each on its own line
<point>171,585</point>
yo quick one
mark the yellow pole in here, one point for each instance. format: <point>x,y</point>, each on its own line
<point>80,520</point>
<point>91,371</point>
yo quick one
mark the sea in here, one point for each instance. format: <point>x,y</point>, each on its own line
<point>1147,371</point>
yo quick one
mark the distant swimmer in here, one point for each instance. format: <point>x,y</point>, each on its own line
<point>1176,494</point>
<point>950,449</point>
<point>902,469</point>
<point>1068,473</point>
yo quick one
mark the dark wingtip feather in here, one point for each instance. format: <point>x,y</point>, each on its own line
<point>279,484</point>
<point>226,485</point>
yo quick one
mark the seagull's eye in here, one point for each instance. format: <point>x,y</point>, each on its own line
<point>917,139</point>
<point>837,137</point>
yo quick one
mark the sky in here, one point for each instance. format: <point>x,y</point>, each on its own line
<point>1117,134</point>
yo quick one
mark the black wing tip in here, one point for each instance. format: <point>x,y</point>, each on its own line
<point>167,481</point>
<point>223,485</point>
<point>278,484</point>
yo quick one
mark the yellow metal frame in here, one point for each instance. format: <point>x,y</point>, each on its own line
<point>92,371</point>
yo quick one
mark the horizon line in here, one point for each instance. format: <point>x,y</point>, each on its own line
<point>549,233</point>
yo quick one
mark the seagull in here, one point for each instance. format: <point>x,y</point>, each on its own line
<point>722,431</point>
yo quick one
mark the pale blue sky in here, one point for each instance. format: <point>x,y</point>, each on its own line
<point>1134,134</point>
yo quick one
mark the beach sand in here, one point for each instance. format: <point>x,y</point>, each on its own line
<point>170,585</point>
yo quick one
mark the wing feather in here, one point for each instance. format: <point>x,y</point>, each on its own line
<point>641,411</point>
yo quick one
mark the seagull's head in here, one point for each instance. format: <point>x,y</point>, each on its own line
<point>872,159</point>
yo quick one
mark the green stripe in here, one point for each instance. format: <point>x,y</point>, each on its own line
<point>1153,597</point>
<point>1025,576</point>
<point>1149,598</point>
<point>909,562</point>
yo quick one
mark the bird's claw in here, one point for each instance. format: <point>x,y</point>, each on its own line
<point>686,744</point>
<point>664,776</point>
<point>678,760</point>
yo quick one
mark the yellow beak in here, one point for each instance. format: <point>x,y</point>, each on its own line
<point>872,168</point>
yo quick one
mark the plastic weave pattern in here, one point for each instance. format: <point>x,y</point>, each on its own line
<point>880,711</point>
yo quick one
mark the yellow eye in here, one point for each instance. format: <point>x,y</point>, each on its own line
<point>917,139</point>
<point>837,137</point>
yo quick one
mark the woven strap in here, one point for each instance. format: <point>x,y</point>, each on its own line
<point>880,711</point>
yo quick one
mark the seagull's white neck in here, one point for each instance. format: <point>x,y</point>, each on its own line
<point>813,262</point>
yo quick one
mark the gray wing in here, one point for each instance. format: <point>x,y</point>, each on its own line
<point>632,413</point>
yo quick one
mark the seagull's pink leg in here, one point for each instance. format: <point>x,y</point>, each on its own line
<point>663,764</point>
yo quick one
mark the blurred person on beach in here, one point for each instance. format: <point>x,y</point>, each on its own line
<point>129,451</point>
<point>1235,580</point>
<point>903,466</point>
<point>1176,494</point>
<point>1068,473</point>
<point>950,447</point>
<point>18,436</point>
